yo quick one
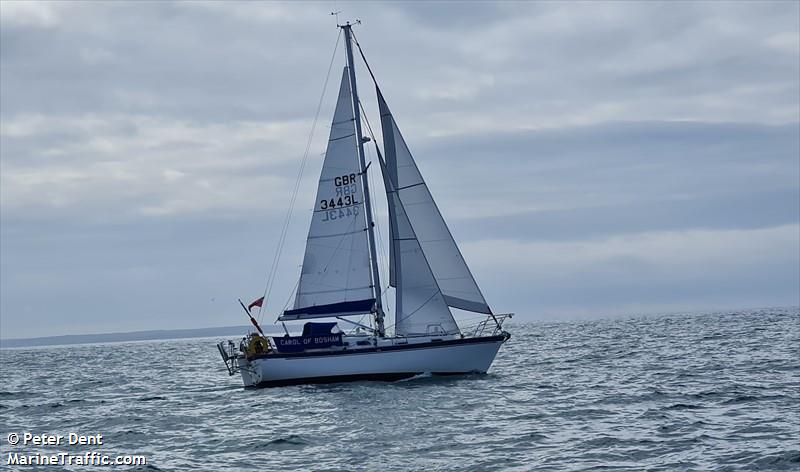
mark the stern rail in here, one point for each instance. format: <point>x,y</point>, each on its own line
<point>227,349</point>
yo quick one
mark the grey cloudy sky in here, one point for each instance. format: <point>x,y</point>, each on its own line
<point>591,158</point>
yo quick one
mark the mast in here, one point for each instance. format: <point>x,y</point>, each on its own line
<point>376,281</point>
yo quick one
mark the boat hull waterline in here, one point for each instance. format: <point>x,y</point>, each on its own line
<point>390,363</point>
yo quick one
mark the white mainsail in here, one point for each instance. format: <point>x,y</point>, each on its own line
<point>336,275</point>
<point>443,256</point>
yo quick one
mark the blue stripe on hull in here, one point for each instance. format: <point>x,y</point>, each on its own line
<point>385,377</point>
<point>398,347</point>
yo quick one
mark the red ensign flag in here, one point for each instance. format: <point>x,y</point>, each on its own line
<point>255,303</point>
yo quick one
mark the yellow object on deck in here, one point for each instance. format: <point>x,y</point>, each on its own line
<point>257,345</point>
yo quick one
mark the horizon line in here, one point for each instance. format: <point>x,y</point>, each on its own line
<point>545,318</point>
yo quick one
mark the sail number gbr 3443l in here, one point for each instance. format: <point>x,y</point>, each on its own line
<point>344,202</point>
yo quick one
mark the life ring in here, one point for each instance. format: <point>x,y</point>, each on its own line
<point>258,345</point>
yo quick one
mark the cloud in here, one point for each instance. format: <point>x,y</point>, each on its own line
<point>665,270</point>
<point>661,173</point>
<point>143,164</point>
<point>703,62</point>
<point>148,150</point>
<point>29,14</point>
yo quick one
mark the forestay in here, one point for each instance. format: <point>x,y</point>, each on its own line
<point>452,275</point>
<point>336,278</point>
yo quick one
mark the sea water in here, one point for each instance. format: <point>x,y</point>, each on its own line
<point>716,391</point>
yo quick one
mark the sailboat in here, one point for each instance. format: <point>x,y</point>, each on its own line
<point>340,276</point>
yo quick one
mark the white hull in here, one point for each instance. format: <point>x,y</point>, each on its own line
<point>393,362</point>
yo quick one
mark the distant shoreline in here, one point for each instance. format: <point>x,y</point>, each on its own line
<point>147,335</point>
<point>238,331</point>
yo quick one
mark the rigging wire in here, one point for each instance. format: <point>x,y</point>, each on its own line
<point>382,256</point>
<point>289,300</point>
<point>428,300</point>
<point>282,239</point>
<point>380,235</point>
<point>382,262</point>
<point>364,58</point>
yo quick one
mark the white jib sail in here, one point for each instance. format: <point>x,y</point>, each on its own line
<point>443,255</point>
<point>420,306</point>
<point>336,269</point>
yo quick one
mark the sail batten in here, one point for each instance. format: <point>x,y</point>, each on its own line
<point>441,252</point>
<point>336,272</point>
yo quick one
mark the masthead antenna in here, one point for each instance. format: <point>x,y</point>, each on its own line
<point>355,21</point>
